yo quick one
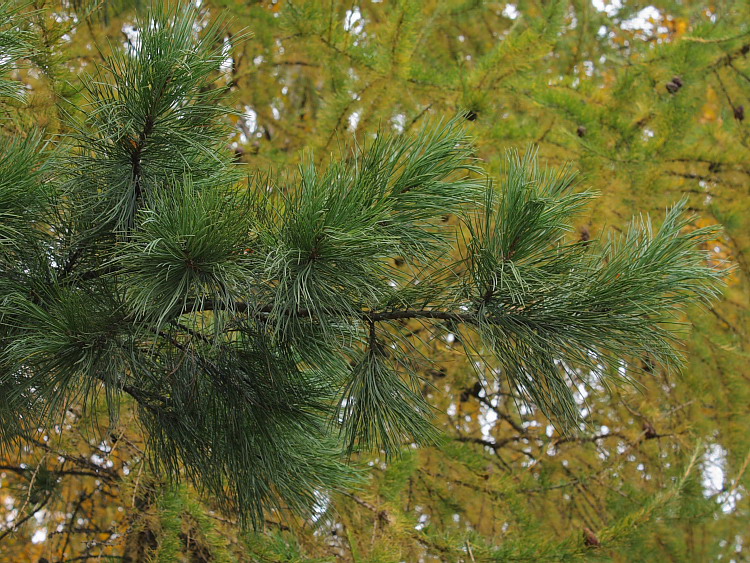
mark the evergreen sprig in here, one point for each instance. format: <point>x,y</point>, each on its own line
<point>327,253</point>
<point>153,113</point>
<point>381,406</point>
<point>547,308</point>
<point>196,239</point>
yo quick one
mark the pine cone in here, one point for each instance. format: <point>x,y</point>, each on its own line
<point>739,113</point>
<point>590,539</point>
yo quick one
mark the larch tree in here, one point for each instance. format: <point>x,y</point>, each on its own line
<point>296,281</point>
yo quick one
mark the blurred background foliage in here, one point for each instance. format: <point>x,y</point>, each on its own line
<point>645,99</point>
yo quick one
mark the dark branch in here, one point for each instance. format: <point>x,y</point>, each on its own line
<point>24,470</point>
<point>367,316</point>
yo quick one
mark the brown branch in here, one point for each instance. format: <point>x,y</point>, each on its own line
<point>101,472</point>
<point>24,470</point>
<point>295,63</point>
<point>367,316</point>
<point>594,438</point>
<point>487,444</point>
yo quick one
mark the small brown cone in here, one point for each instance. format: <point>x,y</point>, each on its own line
<point>590,539</point>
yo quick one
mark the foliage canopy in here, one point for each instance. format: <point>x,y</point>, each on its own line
<point>264,328</point>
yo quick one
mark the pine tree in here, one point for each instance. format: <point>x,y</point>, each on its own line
<point>262,326</point>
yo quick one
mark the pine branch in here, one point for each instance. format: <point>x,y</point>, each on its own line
<point>366,316</point>
<point>246,319</point>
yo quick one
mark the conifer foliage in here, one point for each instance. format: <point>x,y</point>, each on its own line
<point>231,312</point>
<point>255,320</point>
